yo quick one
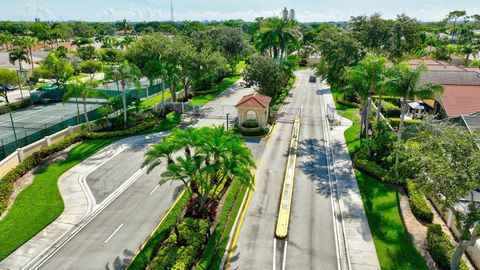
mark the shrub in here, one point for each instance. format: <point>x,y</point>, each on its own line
<point>418,203</point>
<point>395,122</point>
<point>349,104</point>
<point>181,248</point>
<point>441,248</point>
<point>250,124</point>
<point>390,110</point>
<point>257,132</point>
<point>122,133</point>
<point>364,164</point>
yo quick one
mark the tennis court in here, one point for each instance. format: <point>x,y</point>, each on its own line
<point>35,122</point>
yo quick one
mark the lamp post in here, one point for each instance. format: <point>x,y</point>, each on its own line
<point>228,114</point>
<point>3,93</point>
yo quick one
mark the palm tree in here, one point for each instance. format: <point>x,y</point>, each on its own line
<point>369,74</point>
<point>406,85</point>
<point>84,90</point>
<point>467,50</point>
<point>125,26</point>
<point>455,15</point>
<point>277,35</point>
<point>212,159</point>
<point>30,43</point>
<point>125,72</point>
<point>18,54</point>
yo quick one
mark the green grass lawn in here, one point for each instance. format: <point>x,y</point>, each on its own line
<point>219,88</point>
<point>394,247</point>
<point>41,203</point>
<point>171,121</point>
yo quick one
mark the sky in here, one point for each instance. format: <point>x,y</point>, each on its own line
<point>248,10</point>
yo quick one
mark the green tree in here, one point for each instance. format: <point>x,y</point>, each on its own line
<point>444,163</point>
<point>91,67</point>
<point>125,72</point>
<point>369,73</point>
<point>211,159</point>
<point>339,50</point>
<point>455,15</point>
<point>55,67</point>
<point>467,50</point>
<point>149,47</point>
<point>87,52</point>
<point>263,73</point>
<point>19,55</point>
<point>277,37</point>
<point>84,90</point>
<point>105,111</point>
<point>232,43</point>
<point>405,84</point>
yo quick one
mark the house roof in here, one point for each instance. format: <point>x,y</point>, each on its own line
<point>461,99</point>
<point>254,100</point>
<point>450,77</point>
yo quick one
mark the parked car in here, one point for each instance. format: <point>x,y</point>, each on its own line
<point>312,79</point>
<point>11,87</point>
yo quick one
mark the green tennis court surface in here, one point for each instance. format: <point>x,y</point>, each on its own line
<point>38,118</point>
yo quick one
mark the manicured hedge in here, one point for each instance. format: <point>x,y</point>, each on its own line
<point>418,203</point>
<point>7,181</point>
<point>441,248</point>
<point>371,168</point>
<point>349,104</point>
<point>395,122</point>
<point>179,252</point>
<point>390,110</point>
<point>121,133</point>
<point>257,132</point>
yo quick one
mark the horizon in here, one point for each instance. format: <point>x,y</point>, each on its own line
<point>222,10</point>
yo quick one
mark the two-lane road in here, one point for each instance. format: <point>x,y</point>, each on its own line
<point>310,243</point>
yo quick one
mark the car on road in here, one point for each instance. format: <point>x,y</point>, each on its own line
<point>11,87</point>
<point>312,79</point>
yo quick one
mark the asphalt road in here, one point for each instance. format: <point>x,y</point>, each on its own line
<point>310,243</point>
<point>112,238</point>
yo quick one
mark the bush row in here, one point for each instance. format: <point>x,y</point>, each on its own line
<point>181,248</point>
<point>256,132</point>
<point>395,122</point>
<point>390,110</point>
<point>373,169</point>
<point>418,203</point>
<point>349,104</point>
<point>441,248</point>
<point>121,133</point>
<point>7,181</point>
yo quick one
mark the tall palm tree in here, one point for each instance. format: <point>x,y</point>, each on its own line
<point>84,90</point>
<point>30,43</point>
<point>406,85</point>
<point>125,26</point>
<point>369,74</point>
<point>19,54</point>
<point>467,50</point>
<point>125,72</point>
<point>277,35</point>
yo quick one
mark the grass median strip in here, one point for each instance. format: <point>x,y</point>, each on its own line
<point>41,203</point>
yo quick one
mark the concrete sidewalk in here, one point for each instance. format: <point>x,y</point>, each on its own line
<point>360,245</point>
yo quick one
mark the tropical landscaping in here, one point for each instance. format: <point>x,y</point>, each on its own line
<point>374,68</point>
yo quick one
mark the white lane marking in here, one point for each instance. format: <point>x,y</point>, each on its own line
<point>274,252</point>
<point>154,189</point>
<point>114,232</point>
<point>284,255</point>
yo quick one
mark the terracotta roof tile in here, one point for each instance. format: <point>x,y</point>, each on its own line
<point>254,100</point>
<point>461,99</point>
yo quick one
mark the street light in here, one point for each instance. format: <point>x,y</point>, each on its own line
<point>3,93</point>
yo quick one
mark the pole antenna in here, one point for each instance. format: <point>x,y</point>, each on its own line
<point>171,11</point>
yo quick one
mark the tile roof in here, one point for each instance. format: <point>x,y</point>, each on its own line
<point>254,100</point>
<point>461,99</point>
<point>450,77</point>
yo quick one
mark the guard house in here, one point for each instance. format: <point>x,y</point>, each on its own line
<point>253,111</point>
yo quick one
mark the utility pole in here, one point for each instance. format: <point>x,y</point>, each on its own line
<point>171,11</point>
